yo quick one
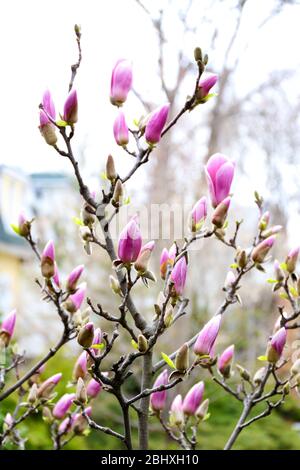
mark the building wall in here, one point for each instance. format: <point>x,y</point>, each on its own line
<point>10,282</point>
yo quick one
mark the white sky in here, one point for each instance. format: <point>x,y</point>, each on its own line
<point>37,48</point>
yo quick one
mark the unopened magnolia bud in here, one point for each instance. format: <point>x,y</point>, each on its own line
<point>262,249</point>
<point>286,388</point>
<point>279,274</point>
<point>205,59</point>
<point>264,221</point>
<point>141,264</point>
<point>48,132</point>
<point>168,318</point>
<point>114,284</point>
<point>86,335</point>
<point>142,344</point>
<point>241,258</point>
<point>23,225</point>
<point>244,373</point>
<point>220,213</point>
<point>182,358</point>
<point>77,30</point>
<point>295,369</point>
<point>291,260</point>
<point>81,395</point>
<point>111,173</point>
<point>47,415</point>
<point>198,54</point>
<point>85,234</point>
<point>48,260</point>
<point>87,215</point>
<point>271,231</point>
<point>202,410</point>
<point>117,198</point>
<point>32,396</point>
<point>259,375</point>
<point>276,345</point>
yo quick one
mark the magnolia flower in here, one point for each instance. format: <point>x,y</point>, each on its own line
<point>276,345</point>
<point>121,82</point>
<point>120,128</point>
<point>219,173</point>
<point>156,123</point>
<point>130,242</point>
<point>198,214</point>
<point>178,276</point>
<point>158,399</point>
<point>207,336</point>
<point>8,327</point>
<point>225,360</point>
<point>71,108</point>
<point>193,399</point>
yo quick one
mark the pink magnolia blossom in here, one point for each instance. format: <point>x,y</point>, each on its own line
<point>178,276</point>
<point>130,242</point>
<point>158,399</point>
<point>219,173</point>
<point>207,336</point>
<point>120,128</point>
<point>121,82</point>
<point>193,399</point>
<point>156,123</point>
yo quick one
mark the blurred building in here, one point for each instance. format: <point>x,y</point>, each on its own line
<point>44,196</point>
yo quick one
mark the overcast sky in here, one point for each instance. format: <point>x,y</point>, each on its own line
<point>37,48</point>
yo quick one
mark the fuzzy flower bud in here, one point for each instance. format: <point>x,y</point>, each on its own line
<point>115,285</point>
<point>32,396</point>
<point>262,249</point>
<point>207,336</point>
<point>219,173</point>
<point>142,343</point>
<point>111,173</point>
<point>182,358</point>
<point>117,198</point>
<point>86,335</point>
<point>220,213</point>
<point>259,375</point>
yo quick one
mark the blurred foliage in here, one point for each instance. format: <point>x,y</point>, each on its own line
<point>273,432</point>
